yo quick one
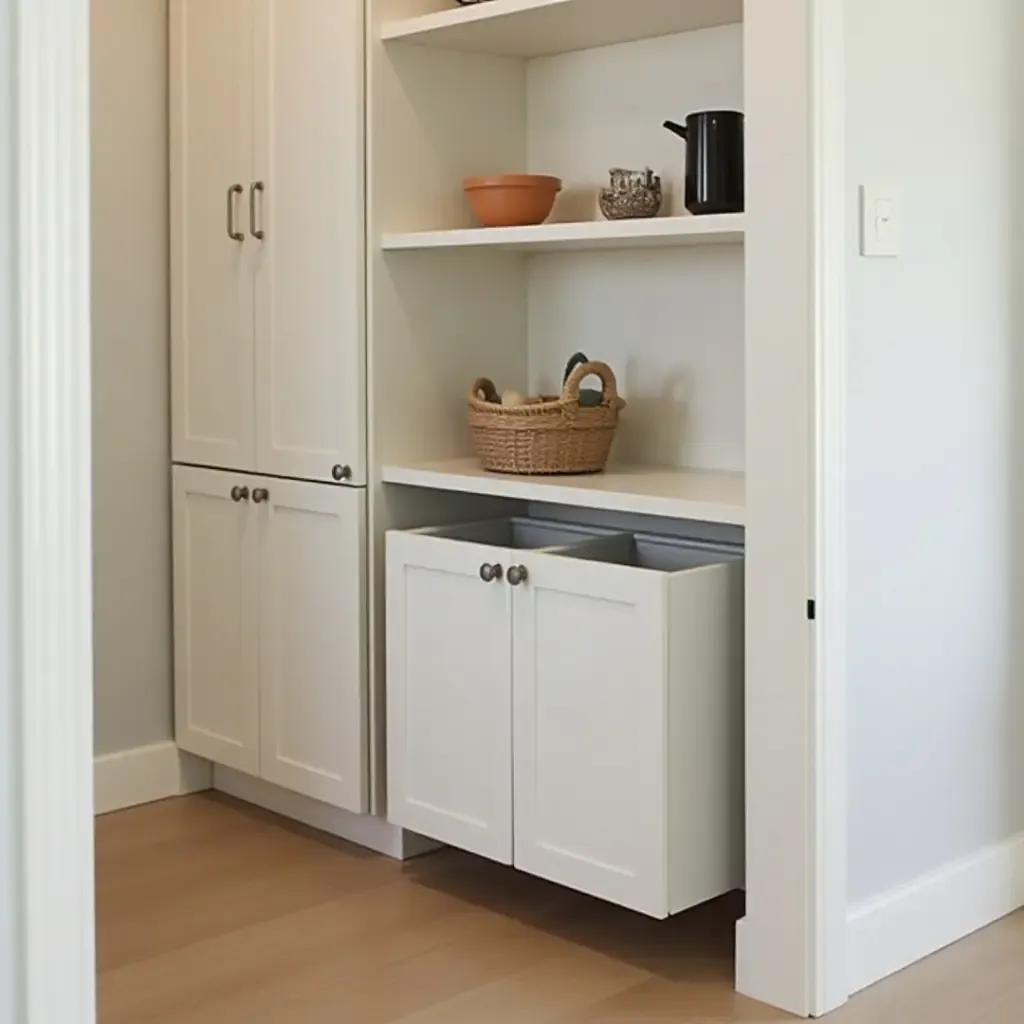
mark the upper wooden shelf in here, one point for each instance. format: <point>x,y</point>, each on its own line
<point>540,28</point>
<point>646,490</point>
<point>719,229</point>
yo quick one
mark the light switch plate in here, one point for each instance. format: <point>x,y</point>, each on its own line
<point>881,220</point>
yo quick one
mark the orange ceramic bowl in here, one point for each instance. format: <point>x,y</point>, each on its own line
<point>512,200</point>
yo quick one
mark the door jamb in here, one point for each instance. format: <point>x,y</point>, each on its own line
<point>831,981</point>
<point>791,946</point>
<point>52,502</point>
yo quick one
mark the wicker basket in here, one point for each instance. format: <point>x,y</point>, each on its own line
<point>547,435</point>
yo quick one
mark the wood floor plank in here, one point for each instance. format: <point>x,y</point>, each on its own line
<point>211,912</point>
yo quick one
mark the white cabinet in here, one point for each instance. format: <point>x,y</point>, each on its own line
<point>212,286</point>
<point>270,643</point>
<point>268,236</point>
<point>216,614</point>
<point>308,156</point>
<point>616,665</point>
<point>311,629</point>
<point>449,689</point>
<point>628,684</point>
<point>449,694</point>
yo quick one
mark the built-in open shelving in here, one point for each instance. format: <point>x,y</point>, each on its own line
<point>661,300</point>
<point>711,497</point>
<point>657,232</point>
<point>539,28</point>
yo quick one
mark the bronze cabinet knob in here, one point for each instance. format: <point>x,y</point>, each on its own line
<point>490,573</point>
<point>260,495</point>
<point>342,473</point>
<point>517,574</point>
<point>239,493</point>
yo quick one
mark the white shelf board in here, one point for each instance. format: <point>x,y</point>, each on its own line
<point>646,490</point>
<point>540,28</point>
<point>715,229</point>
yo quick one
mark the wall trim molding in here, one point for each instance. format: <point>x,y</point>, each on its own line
<point>47,77</point>
<point>366,830</point>
<point>146,774</point>
<point>906,924</point>
<point>828,784</point>
<point>791,948</point>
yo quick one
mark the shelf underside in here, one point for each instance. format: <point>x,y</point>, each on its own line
<point>658,232</point>
<point>710,497</point>
<point>540,28</point>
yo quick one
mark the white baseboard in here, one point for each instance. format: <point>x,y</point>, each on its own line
<point>146,774</point>
<point>362,829</point>
<point>912,922</point>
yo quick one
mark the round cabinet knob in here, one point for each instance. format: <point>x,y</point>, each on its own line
<point>239,493</point>
<point>260,495</point>
<point>517,575</point>
<point>342,473</point>
<point>490,573</point>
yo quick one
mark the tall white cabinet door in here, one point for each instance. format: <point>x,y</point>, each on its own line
<point>312,640</point>
<point>309,279</point>
<point>449,694</point>
<point>211,81</point>
<point>216,659</point>
<point>589,724</point>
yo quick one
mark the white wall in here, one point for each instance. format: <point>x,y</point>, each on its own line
<point>936,691</point>
<point>130,374</point>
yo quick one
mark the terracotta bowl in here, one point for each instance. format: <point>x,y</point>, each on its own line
<point>512,200</point>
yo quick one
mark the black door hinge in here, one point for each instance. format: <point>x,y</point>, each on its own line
<point>812,611</point>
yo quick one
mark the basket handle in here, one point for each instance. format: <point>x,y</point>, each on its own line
<point>487,387</point>
<point>609,389</point>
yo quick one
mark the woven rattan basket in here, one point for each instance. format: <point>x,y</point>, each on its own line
<point>547,435</point>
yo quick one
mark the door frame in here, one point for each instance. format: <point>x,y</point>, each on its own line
<point>47,82</point>
<point>791,946</point>
<point>830,984</point>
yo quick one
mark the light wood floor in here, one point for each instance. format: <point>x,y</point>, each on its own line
<point>212,912</point>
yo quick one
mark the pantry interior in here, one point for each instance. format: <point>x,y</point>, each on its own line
<point>340,655</point>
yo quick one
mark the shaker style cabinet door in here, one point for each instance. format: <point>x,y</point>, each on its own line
<point>589,723</point>
<point>211,86</point>
<point>449,694</point>
<point>307,211</point>
<point>312,639</point>
<point>216,658</point>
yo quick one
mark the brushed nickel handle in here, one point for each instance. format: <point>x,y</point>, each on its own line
<point>239,493</point>
<point>257,233</point>
<point>489,573</point>
<point>342,473</point>
<point>260,495</point>
<point>517,574</point>
<point>235,236</point>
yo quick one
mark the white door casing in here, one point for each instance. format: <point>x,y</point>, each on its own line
<point>45,368</point>
<point>790,948</point>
